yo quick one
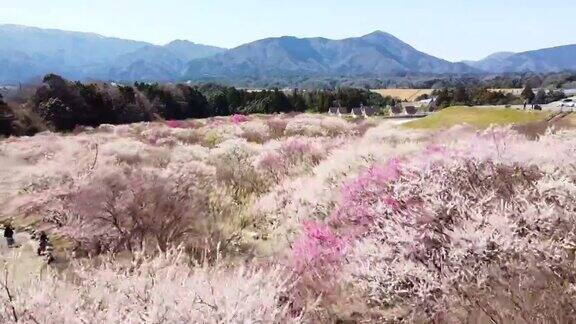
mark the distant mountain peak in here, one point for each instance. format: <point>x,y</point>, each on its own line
<point>180,42</point>
<point>32,29</point>
<point>499,56</point>
<point>382,35</point>
<point>378,33</point>
<point>188,50</point>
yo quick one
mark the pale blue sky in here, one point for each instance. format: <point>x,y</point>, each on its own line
<point>450,29</point>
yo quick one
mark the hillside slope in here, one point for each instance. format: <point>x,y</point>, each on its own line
<point>555,59</point>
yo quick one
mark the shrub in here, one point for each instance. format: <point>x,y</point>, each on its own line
<point>165,288</point>
<point>188,136</point>
<point>397,109</point>
<point>427,240</point>
<point>121,211</point>
<point>233,160</point>
<point>336,126</point>
<point>362,127</point>
<point>154,134</point>
<point>276,127</point>
<point>317,249</point>
<point>238,119</point>
<point>255,131</point>
<point>296,155</point>
<point>297,150</point>
<point>211,139</point>
<point>304,126</point>
<point>272,164</point>
<point>360,194</point>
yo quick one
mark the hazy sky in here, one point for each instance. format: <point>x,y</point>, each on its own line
<point>450,29</point>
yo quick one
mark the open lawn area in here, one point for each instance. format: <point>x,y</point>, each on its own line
<point>479,117</point>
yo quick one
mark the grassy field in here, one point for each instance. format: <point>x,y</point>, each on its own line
<point>476,117</point>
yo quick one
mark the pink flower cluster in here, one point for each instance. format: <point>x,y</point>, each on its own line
<point>238,119</point>
<point>181,124</point>
<point>174,124</point>
<point>361,194</point>
<point>272,162</point>
<point>321,245</point>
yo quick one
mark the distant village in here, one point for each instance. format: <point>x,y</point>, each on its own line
<point>419,108</point>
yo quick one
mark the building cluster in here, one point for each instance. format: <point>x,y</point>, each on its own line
<point>354,112</point>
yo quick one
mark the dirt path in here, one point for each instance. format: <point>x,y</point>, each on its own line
<point>22,262</point>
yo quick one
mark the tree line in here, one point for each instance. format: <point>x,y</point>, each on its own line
<point>62,105</point>
<point>471,96</point>
<point>558,80</point>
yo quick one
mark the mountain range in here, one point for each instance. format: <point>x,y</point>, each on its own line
<point>555,59</point>
<point>376,54</point>
<point>27,53</point>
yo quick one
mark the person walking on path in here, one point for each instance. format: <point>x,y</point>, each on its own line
<point>9,235</point>
<point>43,243</point>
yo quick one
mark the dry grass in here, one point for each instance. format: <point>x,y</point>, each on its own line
<point>513,91</point>
<point>403,94</point>
<point>412,94</point>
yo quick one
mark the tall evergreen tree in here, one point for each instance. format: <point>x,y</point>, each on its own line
<point>528,94</point>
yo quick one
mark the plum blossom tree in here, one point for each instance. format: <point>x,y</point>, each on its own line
<point>127,211</point>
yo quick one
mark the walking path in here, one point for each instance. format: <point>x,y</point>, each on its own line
<point>21,262</point>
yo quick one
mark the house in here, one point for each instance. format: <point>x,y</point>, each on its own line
<point>370,111</point>
<point>357,112</point>
<point>422,105</point>
<point>413,104</point>
<point>410,110</point>
<point>425,102</point>
<point>342,111</point>
<point>354,112</point>
<point>364,111</point>
<point>338,111</point>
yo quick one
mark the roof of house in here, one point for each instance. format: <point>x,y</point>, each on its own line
<point>413,104</point>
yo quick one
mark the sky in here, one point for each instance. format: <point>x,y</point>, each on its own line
<point>450,29</point>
